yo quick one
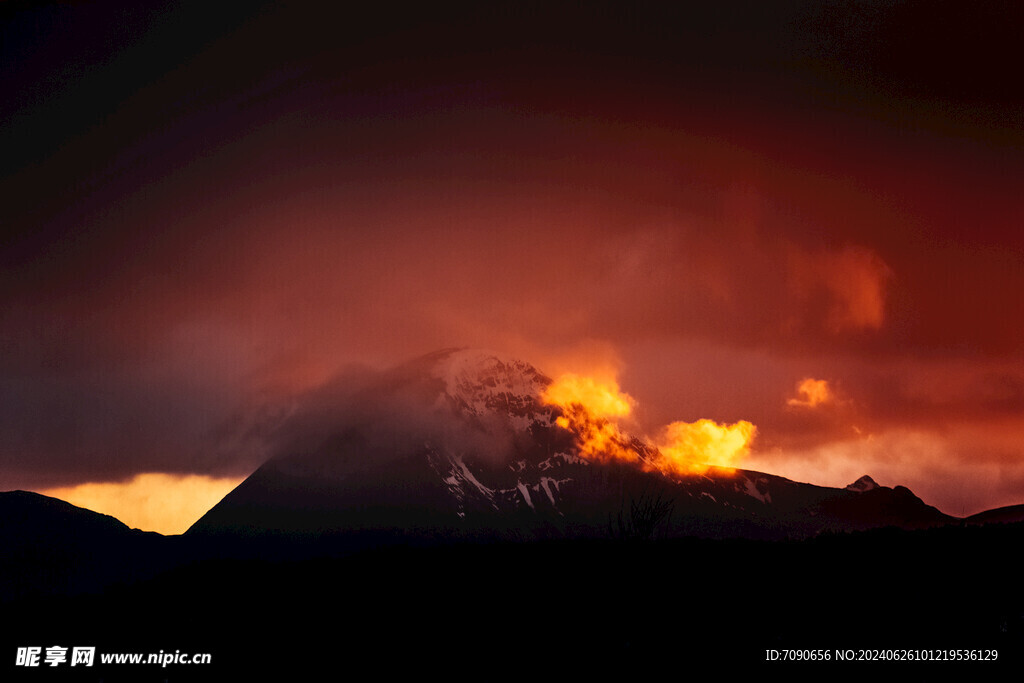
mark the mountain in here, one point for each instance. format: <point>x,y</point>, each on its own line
<point>50,547</point>
<point>459,444</point>
<point>1010,514</point>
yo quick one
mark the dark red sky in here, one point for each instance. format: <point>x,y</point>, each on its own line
<point>208,210</point>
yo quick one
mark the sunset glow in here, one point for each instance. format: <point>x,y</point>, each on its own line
<point>165,503</point>
<point>508,332</point>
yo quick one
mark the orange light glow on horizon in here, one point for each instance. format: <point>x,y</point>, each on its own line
<point>166,503</point>
<point>591,408</point>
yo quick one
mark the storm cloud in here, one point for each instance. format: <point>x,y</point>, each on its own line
<point>210,213</point>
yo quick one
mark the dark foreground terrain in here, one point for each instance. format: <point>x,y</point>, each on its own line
<point>284,609</point>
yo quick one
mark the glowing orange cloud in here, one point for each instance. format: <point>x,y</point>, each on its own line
<point>602,399</point>
<point>166,503</point>
<point>590,410</point>
<point>812,393</point>
<point>692,447</point>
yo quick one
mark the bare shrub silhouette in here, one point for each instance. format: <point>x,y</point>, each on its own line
<point>646,514</point>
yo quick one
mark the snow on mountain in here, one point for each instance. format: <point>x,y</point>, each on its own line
<point>482,383</point>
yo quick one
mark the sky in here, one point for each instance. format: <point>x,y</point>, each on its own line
<point>805,215</point>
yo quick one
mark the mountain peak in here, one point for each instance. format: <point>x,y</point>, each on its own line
<point>863,484</point>
<point>479,383</point>
<point>482,378</point>
<point>456,366</point>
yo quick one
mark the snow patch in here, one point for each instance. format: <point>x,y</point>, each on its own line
<point>547,482</point>
<point>526,494</point>
<point>566,458</point>
<point>754,492</point>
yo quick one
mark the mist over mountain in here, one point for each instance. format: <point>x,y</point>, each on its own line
<point>459,443</point>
